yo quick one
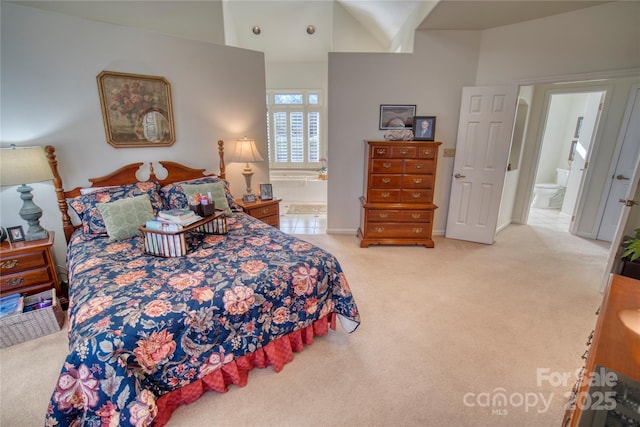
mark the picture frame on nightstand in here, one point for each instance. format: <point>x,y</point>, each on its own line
<point>249,198</point>
<point>266,192</point>
<point>16,234</point>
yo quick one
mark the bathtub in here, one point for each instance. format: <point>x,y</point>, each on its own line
<point>298,186</point>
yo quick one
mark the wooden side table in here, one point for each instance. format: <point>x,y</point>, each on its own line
<point>28,268</point>
<point>267,211</point>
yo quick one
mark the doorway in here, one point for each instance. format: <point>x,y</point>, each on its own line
<point>569,128</point>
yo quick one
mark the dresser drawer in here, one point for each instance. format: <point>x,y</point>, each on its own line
<point>381,152</point>
<point>416,196</point>
<point>384,196</point>
<point>12,282</point>
<point>261,212</point>
<point>427,153</point>
<point>419,166</point>
<point>392,215</point>
<point>17,263</point>
<point>386,181</point>
<point>272,220</point>
<point>395,230</point>
<point>387,166</point>
<point>403,152</point>
<point>417,181</point>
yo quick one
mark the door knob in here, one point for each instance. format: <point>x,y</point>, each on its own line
<point>629,203</point>
<point>459,176</point>
<point>621,177</point>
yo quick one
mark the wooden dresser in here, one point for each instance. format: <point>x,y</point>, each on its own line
<point>267,211</point>
<point>397,204</point>
<point>608,389</point>
<point>28,268</point>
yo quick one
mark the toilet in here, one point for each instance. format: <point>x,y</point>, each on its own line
<point>550,196</point>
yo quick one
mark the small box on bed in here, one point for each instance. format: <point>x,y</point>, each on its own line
<point>28,325</point>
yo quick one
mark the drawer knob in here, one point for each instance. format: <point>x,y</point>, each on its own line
<point>416,216</point>
<point>417,180</point>
<point>265,210</point>
<point>16,281</point>
<point>8,265</point>
<point>419,166</point>
<point>385,194</point>
<point>404,150</point>
<point>383,215</point>
<point>379,229</point>
<point>386,180</point>
<point>417,230</point>
<point>386,165</point>
<point>415,195</point>
<point>381,151</point>
<point>426,152</point>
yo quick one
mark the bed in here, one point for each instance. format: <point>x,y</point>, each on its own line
<point>148,334</point>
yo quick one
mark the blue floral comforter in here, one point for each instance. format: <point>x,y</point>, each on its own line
<point>142,326</point>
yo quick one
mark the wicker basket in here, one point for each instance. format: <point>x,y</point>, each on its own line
<point>32,324</point>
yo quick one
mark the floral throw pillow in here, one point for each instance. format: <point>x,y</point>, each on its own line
<point>175,197</point>
<point>86,205</point>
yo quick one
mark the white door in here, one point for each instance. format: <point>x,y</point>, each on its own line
<point>623,167</point>
<point>582,153</point>
<point>632,197</point>
<point>482,152</point>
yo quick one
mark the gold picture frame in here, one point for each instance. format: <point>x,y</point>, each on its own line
<point>136,110</point>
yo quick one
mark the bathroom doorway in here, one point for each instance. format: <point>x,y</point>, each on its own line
<point>569,128</point>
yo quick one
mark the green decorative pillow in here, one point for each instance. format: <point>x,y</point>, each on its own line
<point>123,217</point>
<point>217,194</point>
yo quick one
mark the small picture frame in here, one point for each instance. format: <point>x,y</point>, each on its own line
<point>249,198</point>
<point>424,128</point>
<point>266,192</point>
<point>396,116</point>
<point>16,234</point>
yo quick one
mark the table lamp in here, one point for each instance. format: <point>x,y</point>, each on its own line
<point>21,166</point>
<point>247,152</point>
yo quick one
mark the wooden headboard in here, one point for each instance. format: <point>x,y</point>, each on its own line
<point>125,175</point>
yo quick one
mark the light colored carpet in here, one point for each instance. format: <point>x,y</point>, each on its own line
<point>439,325</point>
<point>303,209</point>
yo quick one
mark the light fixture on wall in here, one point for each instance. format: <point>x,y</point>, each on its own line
<point>247,152</point>
<point>22,166</point>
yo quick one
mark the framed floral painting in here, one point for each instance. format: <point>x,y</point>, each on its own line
<point>136,110</point>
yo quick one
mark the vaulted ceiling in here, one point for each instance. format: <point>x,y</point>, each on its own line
<point>283,23</point>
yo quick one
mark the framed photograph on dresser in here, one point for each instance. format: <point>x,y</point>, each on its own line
<point>396,116</point>
<point>424,128</point>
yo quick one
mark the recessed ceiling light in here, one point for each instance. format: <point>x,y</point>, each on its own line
<point>311,29</point>
<point>256,30</point>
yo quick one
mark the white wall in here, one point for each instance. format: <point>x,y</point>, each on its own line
<point>49,95</point>
<point>590,40</point>
<point>432,78</point>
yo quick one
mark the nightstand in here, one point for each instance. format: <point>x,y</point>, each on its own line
<point>28,268</point>
<point>267,211</point>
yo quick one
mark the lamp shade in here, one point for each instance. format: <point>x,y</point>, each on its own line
<point>246,151</point>
<point>23,165</point>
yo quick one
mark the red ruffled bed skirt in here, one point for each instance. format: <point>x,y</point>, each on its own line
<point>276,354</point>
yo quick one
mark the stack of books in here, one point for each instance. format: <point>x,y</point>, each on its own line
<point>172,220</point>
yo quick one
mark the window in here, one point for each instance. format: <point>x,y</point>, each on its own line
<point>294,123</point>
